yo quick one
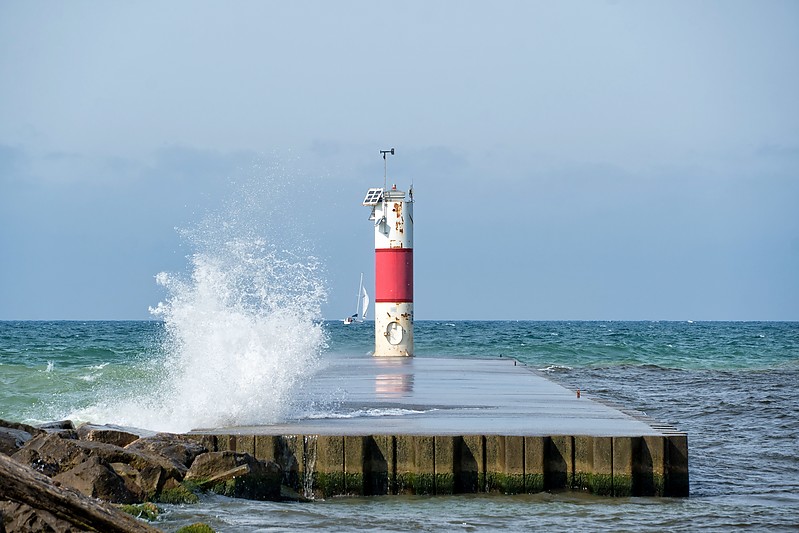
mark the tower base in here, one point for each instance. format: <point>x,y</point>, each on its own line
<point>393,329</point>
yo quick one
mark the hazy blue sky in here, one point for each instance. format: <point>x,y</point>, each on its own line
<point>570,160</point>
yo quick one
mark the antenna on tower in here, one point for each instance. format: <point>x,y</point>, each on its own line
<point>385,165</point>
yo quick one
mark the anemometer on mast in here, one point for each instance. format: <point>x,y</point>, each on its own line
<point>385,165</point>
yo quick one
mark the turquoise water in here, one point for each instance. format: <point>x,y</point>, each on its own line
<point>730,386</point>
<point>678,345</point>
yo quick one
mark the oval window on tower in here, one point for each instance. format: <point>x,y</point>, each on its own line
<point>394,333</point>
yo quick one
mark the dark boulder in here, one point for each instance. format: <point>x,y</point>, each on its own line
<point>146,482</point>
<point>14,435</point>
<point>17,425</point>
<point>58,425</point>
<point>96,478</point>
<point>52,453</point>
<point>21,518</point>
<point>108,434</point>
<point>65,428</point>
<point>238,475</point>
<point>46,453</point>
<point>30,501</point>
<point>12,440</point>
<point>144,474</point>
<point>178,449</point>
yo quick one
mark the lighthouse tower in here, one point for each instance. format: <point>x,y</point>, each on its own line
<point>392,213</point>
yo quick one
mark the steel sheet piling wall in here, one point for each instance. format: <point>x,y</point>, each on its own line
<point>334,465</point>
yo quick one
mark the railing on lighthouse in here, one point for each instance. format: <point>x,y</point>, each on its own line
<point>392,213</point>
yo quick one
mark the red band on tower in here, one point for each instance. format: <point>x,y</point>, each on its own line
<point>394,273</point>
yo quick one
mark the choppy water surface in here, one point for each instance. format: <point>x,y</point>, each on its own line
<point>730,386</point>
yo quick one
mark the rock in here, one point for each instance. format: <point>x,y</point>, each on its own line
<point>13,435</point>
<point>17,425</point>
<point>63,427</point>
<point>52,453</point>
<point>36,453</point>
<point>144,474</point>
<point>150,480</point>
<point>68,453</point>
<point>18,517</point>
<point>12,440</point>
<point>57,426</point>
<point>237,475</point>
<point>95,478</point>
<point>178,449</point>
<point>108,434</point>
<point>35,500</point>
<point>133,480</point>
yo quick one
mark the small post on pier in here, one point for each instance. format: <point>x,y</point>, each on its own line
<point>392,214</point>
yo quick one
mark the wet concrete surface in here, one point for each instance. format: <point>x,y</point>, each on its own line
<point>448,396</point>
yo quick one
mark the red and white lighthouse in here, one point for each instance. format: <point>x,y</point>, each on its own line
<point>392,213</point>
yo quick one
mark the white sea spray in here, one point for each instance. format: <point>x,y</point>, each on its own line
<point>240,335</point>
<point>243,328</point>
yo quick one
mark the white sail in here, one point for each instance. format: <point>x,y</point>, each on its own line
<point>361,305</point>
<point>364,302</point>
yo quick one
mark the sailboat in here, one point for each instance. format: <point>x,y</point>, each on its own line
<point>361,305</point>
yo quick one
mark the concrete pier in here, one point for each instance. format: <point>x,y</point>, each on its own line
<point>452,425</point>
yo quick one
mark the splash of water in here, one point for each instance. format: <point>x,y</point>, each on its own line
<point>242,332</point>
<point>241,335</point>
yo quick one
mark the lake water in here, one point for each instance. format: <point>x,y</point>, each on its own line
<point>732,386</point>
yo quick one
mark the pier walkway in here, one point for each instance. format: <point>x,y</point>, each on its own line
<point>457,425</point>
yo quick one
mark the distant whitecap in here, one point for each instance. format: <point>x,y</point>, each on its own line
<point>554,368</point>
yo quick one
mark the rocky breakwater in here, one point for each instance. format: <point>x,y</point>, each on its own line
<point>57,477</point>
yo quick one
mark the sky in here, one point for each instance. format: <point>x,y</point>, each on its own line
<point>574,160</point>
